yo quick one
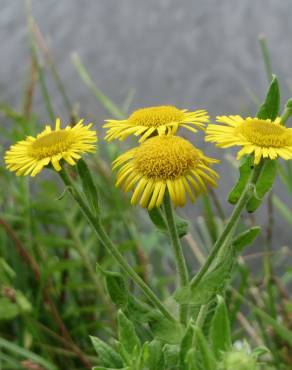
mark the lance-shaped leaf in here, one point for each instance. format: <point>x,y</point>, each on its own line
<point>220,333</point>
<point>244,173</point>
<point>270,107</point>
<point>171,356</point>
<point>117,288</point>
<point>211,285</point>
<point>166,331</point>
<point>129,341</point>
<point>263,185</point>
<point>246,238</point>
<point>88,185</point>
<point>155,360</point>
<point>185,345</point>
<point>203,351</point>
<point>107,356</point>
<point>157,217</point>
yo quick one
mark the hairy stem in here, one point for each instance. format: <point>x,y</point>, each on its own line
<point>178,253</point>
<point>108,244</point>
<point>238,209</point>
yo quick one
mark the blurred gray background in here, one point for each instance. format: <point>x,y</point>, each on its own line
<point>191,53</point>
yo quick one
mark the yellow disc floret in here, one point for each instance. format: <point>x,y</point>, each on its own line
<point>263,138</point>
<point>156,116</point>
<point>31,155</point>
<point>176,159</point>
<point>264,133</point>
<point>158,120</point>
<point>165,163</point>
<point>51,144</point>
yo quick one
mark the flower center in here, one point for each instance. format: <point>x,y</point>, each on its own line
<point>166,157</point>
<point>51,144</point>
<point>156,116</point>
<point>265,133</point>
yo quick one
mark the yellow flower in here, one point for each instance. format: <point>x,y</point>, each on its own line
<point>263,138</point>
<point>164,163</point>
<point>29,156</point>
<point>159,120</point>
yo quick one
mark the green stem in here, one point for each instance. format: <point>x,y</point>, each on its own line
<point>245,196</point>
<point>108,244</point>
<point>179,257</point>
<point>266,57</point>
<point>286,114</point>
<point>91,271</point>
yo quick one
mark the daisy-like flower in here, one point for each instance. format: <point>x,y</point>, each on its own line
<point>263,138</point>
<point>164,163</point>
<point>30,156</point>
<point>159,120</point>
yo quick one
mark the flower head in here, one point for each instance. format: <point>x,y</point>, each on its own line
<point>239,360</point>
<point>164,163</point>
<point>159,120</point>
<point>264,138</point>
<point>31,155</point>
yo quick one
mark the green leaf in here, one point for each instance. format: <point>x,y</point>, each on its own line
<point>246,238</point>
<point>270,107</point>
<point>8,309</point>
<point>117,288</point>
<point>110,368</point>
<point>88,185</point>
<point>244,172</point>
<point>167,331</point>
<point>203,351</point>
<point>157,217</point>
<point>220,333</point>
<point>5,269</point>
<point>20,351</point>
<point>208,287</point>
<point>107,356</point>
<point>182,225</point>
<point>279,328</point>
<point>128,338</point>
<point>140,311</point>
<point>155,360</point>
<point>263,184</point>
<point>260,351</point>
<point>171,356</point>
<point>185,346</point>
<point>193,360</point>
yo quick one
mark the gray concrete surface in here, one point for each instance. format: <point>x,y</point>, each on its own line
<point>190,53</point>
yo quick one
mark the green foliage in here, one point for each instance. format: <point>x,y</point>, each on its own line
<point>89,187</point>
<point>270,107</point>
<point>52,299</point>
<point>158,219</point>
<point>263,185</point>
<point>106,355</point>
<point>220,332</point>
<point>186,345</point>
<point>117,288</point>
<point>246,238</point>
<point>129,342</point>
<point>155,356</point>
<point>203,355</point>
<point>244,173</point>
<point>211,285</point>
<point>166,331</point>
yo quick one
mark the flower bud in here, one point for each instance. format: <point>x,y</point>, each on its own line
<point>239,360</point>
